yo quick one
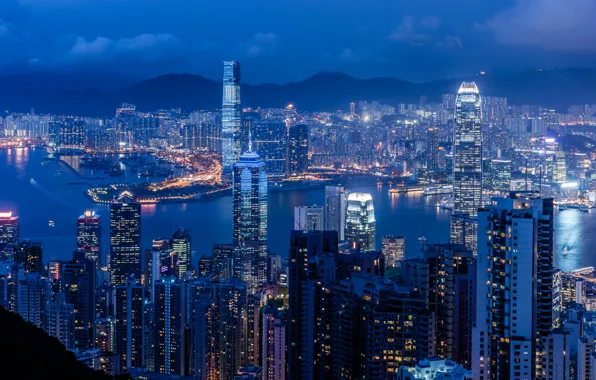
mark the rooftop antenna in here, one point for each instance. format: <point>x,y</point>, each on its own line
<point>526,174</point>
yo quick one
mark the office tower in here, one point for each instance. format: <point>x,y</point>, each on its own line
<point>71,134</point>
<point>307,294</point>
<point>32,293</point>
<point>298,149</point>
<point>273,268</point>
<point>273,358</point>
<point>255,304</point>
<point>432,145</point>
<point>573,290</point>
<point>446,275</point>
<point>125,240</point>
<point>89,235</point>
<point>380,326</point>
<point>335,210</point>
<point>394,249</point>
<point>250,218</point>
<point>270,141</point>
<point>360,221</point>
<point>516,307</point>
<point>231,116</point>
<point>128,335</point>
<point>467,163</point>
<point>60,320</point>
<point>224,260</point>
<point>309,218</point>
<point>9,229</point>
<point>170,324</point>
<point>78,278</point>
<point>181,245</point>
<point>29,253</point>
<point>560,166</point>
<point>500,175</point>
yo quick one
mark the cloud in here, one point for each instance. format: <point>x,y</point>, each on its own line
<point>144,47</point>
<point>409,30</point>
<point>349,55</point>
<point>558,25</point>
<point>451,42</point>
<point>261,44</point>
<point>7,30</point>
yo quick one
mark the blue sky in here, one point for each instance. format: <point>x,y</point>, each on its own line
<point>281,40</point>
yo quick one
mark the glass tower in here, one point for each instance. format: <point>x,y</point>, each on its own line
<point>125,241</point>
<point>250,218</point>
<point>89,235</point>
<point>181,244</point>
<point>231,116</point>
<point>467,164</point>
<point>360,221</point>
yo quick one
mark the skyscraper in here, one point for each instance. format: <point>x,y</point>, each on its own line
<point>89,236</point>
<point>29,253</point>
<point>231,116</point>
<point>270,140</point>
<point>170,322</point>
<point>71,134</point>
<point>309,218</point>
<point>335,210</point>
<point>393,248</point>
<point>128,336</point>
<point>298,149</point>
<point>250,218</point>
<point>516,305</point>
<point>9,229</point>
<point>467,167</point>
<point>125,240</point>
<point>59,320</point>
<point>432,145</point>
<point>273,357</point>
<point>360,221</point>
<point>181,244</point>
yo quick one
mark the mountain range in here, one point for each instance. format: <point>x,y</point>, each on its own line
<point>89,94</point>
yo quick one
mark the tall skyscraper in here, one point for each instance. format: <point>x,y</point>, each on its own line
<point>125,240</point>
<point>516,305</point>
<point>298,149</point>
<point>309,218</point>
<point>78,278</point>
<point>467,167</point>
<point>500,176</point>
<point>250,218</point>
<point>71,134</point>
<point>9,229</point>
<point>360,221</point>
<point>32,292</point>
<point>128,335</point>
<point>335,210</point>
<point>394,249</point>
<point>170,323</point>
<point>273,357</point>
<point>60,320</point>
<point>89,235</point>
<point>231,116</point>
<point>432,145</point>
<point>270,140</point>
<point>181,244</point>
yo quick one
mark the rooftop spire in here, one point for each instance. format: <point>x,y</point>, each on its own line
<point>249,141</point>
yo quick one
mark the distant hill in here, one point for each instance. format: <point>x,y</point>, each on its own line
<point>27,352</point>
<point>325,91</point>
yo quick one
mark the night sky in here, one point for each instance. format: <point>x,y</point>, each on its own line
<point>281,40</point>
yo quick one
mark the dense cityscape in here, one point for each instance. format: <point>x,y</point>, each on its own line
<point>489,304</point>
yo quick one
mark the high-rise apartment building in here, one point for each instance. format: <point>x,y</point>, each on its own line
<point>517,306</point>
<point>60,320</point>
<point>394,249</point>
<point>335,210</point>
<point>128,334</point>
<point>298,149</point>
<point>360,221</point>
<point>231,116</point>
<point>181,245</point>
<point>125,240</point>
<point>249,187</point>
<point>432,146</point>
<point>29,253</point>
<point>89,235</point>
<point>467,163</point>
<point>273,358</point>
<point>170,324</point>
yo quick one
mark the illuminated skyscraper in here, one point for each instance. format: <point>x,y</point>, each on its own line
<point>128,337</point>
<point>393,249</point>
<point>59,320</point>
<point>335,210</point>
<point>181,244</point>
<point>125,240</point>
<point>231,116</point>
<point>250,218</point>
<point>309,218</point>
<point>89,236</point>
<point>29,253</point>
<point>360,221</point>
<point>270,140</point>
<point>298,149</point>
<point>9,229</point>
<point>71,134</point>
<point>432,146</point>
<point>170,323</point>
<point>467,166</point>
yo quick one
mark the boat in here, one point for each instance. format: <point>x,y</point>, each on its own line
<point>51,223</point>
<point>565,251</point>
<point>584,208</point>
<point>445,203</point>
<point>437,190</point>
<point>397,191</point>
<point>562,207</point>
